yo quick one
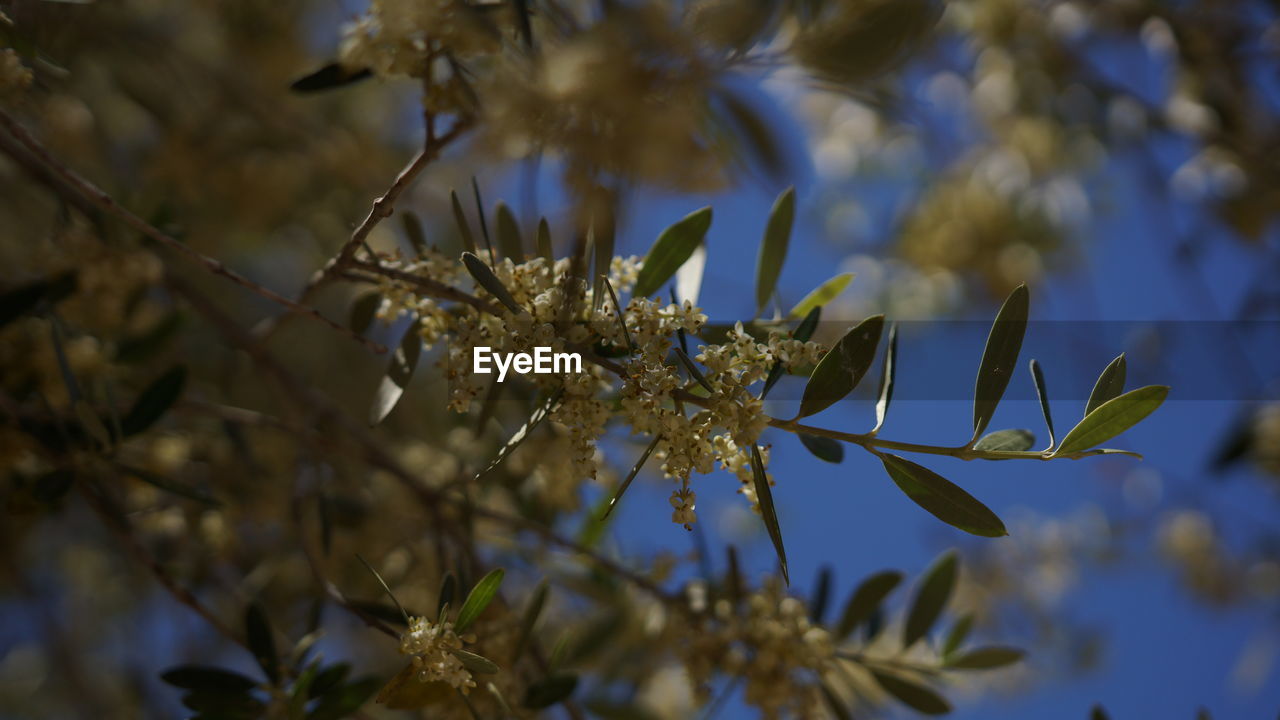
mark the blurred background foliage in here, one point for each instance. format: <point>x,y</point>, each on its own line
<point>946,153</point>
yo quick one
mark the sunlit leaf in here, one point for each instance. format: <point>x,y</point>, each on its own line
<point>1013,440</point>
<point>261,643</point>
<point>510,243</point>
<point>485,278</point>
<point>840,370</point>
<point>673,247</point>
<point>985,658</point>
<point>550,690</point>
<point>399,372</point>
<point>1110,384</point>
<point>999,357</point>
<point>1043,395</point>
<point>885,395</point>
<point>864,601</point>
<point>478,599</point>
<point>942,498</point>
<point>764,496</point>
<point>821,295</point>
<point>823,448</point>
<point>688,283</point>
<point>914,695</point>
<point>154,401</point>
<point>1112,418</point>
<point>773,249</point>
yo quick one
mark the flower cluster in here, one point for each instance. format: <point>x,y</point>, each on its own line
<point>431,646</point>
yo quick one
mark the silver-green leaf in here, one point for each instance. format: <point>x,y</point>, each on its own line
<point>840,370</point>
<point>773,249</point>
<point>478,599</point>
<point>764,497</point>
<point>1043,395</point>
<point>400,371</point>
<point>885,396</point>
<point>821,295</point>
<point>510,242</point>
<point>1110,384</point>
<point>1006,441</point>
<point>999,357</point>
<point>942,498</point>
<point>485,278</point>
<point>1112,418</point>
<point>931,599</point>
<point>672,248</point>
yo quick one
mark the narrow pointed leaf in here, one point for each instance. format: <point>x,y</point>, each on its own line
<point>823,448</point>
<point>821,596</point>
<point>539,414</point>
<point>169,485</point>
<point>475,663</point>
<point>154,401</point>
<point>510,243</point>
<point>673,247</point>
<point>413,231</point>
<point>544,241</point>
<point>914,695</point>
<point>773,249</point>
<point>1006,441</point>
<point>484,225</point>
<point>448,587</point>
<point>260,641</point>
<point>999,357</point>
<point>840,370</point>
<point>931,598</point>
<point>764,496</point>
<point>363,311</point>
<point>485,278</point>
<point>865,600</point>
<point>385,588</point>
<point>956,637</point>
<point>602,244</point>
<point>635,470</point>
<point>885,396</point>
<point>464,227</point>
<point>985,658</point>
<point>529,621</point>
<point>821,295</point>
<point>400,371</point>
<point>1098,713</point>
<point>693,370</point>
<point>1043,395</point>
<point>333,75</point>
<point>622,317</point>
<point>942,498</point>
<point>688,285</point>
<point>1113,417</point>
<point>478,599</point>
<point>1110,384</point>
<point>834,703</point>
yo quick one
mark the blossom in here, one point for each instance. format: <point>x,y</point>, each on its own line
<point>432,647</point>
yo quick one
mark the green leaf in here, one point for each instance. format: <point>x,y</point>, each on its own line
<point>803,332</point>
<point>478,599</point>
<point>1112,418</point>
<point>602,243</point>
<point>328,77</point>
<point>1043,395</point>
<point>342,701</point>
<point>328,679</point>
<point>475,663</point>
<point>823,448</point>
<point>840,370</point>
<point>260,641</point>
<point>821,295</point>
<point>414,232</point>
<point>672,248</point>
<point>821,596</point>
<point>931,598</point>
<point>448,587</point>
<point>1006,441</point>
<point>773,249</point>
<point>404,615</point>
<point>399,372</point>
<point>865,600</point>
<point>914,695</point>
<point>693,370</point>
<point>942,498</point>
<point>363,311</point>
<point>1110,384</point>
<point>539,414</point>
<point>485,278</point>
<point>999,357</point>
<point>885,395</point>
<point>834,703</point>
<point>1098,713</point>
<point>530,618</point>
<point>959,632</point>
<point>510,243</point>
<point>550,690</point>
<point>484,226</point>
<point>764,497</point>
<point>543,241</point>
<point>27,298</point>
<point>464,227</point>
<point>635,470</point>
<point>200,677</point>
<point>688,284</point>
<point>622,318</point>
<point>985,658</point>
<point>155,401</point>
